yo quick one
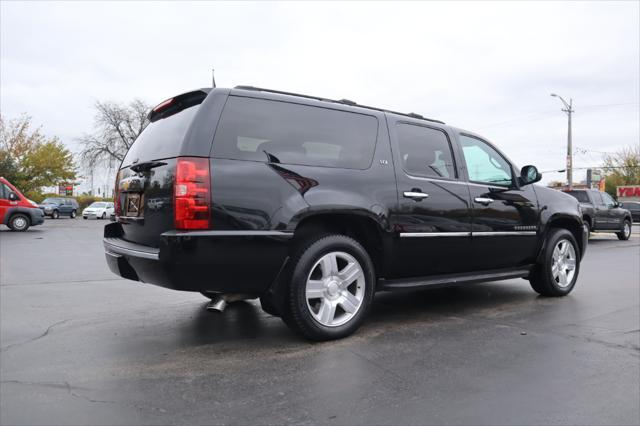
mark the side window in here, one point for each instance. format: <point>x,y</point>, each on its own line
<point>4,191</point>
<point>425,151</point>
<point>597,198</point>
<point>287,133</point>
<point>484,163</point>
<point>608,201</point>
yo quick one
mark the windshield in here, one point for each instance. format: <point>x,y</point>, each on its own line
<point>98,205</point>
<point>579,195</point>
<point>51,201</point>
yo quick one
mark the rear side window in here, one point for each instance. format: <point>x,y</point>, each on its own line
<point>425,151</point>
<point>597,199</point>
<point>282,132</point>
<point>579,195</point>
<point>162,138</point>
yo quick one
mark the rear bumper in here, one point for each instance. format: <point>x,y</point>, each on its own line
<point>220,261</point>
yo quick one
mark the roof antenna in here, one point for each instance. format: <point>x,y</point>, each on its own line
<point>213,78</point>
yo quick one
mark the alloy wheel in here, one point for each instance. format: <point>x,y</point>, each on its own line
<point>563,266</point>
<point>335,289</point>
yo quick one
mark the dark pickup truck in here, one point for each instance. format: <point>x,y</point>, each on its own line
<point>601,213</point>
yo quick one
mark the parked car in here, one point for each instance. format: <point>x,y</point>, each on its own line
<point>634,209</point>
<point>16,211</point>
<point>99,209</point>
<point>313,205</point>
<point>55,207</point>
<point>601,213</point>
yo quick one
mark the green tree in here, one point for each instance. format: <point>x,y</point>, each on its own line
<point>622,168</point>
<point>31,160</point>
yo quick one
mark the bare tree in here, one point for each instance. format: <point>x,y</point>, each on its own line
<point>116,128</point>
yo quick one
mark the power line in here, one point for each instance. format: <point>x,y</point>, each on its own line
<point>547,114</point>
<point>592,167</point>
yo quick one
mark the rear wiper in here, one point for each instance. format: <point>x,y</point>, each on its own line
<point>146,166</point>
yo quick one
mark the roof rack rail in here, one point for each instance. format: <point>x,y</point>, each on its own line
<point>341,101</point>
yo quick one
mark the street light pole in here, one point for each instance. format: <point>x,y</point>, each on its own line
<point>569,110</point>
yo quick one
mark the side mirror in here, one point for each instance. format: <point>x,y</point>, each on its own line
<point>13,197</point>
<point>529,175</point>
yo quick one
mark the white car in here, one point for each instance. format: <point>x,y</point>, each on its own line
<point>99,209</point>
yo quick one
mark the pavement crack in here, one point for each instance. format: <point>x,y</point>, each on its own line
<point>45,334</point>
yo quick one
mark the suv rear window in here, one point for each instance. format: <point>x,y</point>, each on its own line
<point>579,195</point>
<point>283,132</point>
<point>162,138</point>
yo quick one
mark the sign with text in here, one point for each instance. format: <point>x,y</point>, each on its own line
<point>628,191</point>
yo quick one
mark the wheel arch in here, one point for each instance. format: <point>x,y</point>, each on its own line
<point>362,226</point>
<point>571,223</point>
<point>12,211</point>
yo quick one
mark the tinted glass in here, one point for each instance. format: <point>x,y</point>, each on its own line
<point>608,201</point>
<point>425,151</point>
<point>162,138</point>
<point>52,201</point>
<point>484,163</point>
<point>579,195</point>
<point>98,205</point>
<point>631,206</point>
<point>282,132</point>
<point>597,199</point>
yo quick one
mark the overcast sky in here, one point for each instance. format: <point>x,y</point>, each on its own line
<point>486,67</point>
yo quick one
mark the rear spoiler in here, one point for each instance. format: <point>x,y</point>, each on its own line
<point>176,104</point>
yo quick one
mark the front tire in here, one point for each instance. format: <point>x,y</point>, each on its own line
<point>104,216</point>
<point>557,273</point>
<point>331,288</point>
<point>55,214</point>
<point>625,234</point>
<point>19,222</point>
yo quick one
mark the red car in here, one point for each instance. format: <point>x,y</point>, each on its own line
<point>16,211</point>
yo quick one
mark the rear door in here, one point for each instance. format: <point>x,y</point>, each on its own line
<point>433,214</point>
<point>505,217</point>
<point>601,212</point>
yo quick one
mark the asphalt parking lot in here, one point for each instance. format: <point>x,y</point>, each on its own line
<point>80,346</point>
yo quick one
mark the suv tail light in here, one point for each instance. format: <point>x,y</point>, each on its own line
<point>116,197</point>
<point>192,193</point>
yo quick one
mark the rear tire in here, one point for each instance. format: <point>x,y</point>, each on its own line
<point>587,226</point>
<point>625,234</point>
<point>19,222</point>
<point>557,273</point>
<point>73,214</point>
<point>331,288</point>
<point>55,214</point>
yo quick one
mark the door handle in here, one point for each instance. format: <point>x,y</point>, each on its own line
<point>416,195</point>
<point>483,200</point>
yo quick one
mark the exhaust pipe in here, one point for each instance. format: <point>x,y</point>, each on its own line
<point>219,301</point>
<point>217,304</point>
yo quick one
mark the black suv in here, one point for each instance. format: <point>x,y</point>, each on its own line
<point>313,205</point>
<point>601,213</point>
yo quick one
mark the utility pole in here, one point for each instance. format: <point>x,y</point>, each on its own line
<point>569,110</point>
